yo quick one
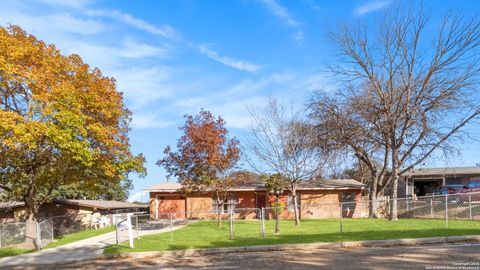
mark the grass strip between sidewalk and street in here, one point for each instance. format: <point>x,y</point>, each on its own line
<point>8,251</point>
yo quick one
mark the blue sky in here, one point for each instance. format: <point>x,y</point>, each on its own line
<point>175,57</point>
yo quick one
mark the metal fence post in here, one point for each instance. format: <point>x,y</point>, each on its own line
<point>171,226</point>
<point>470,205</point>
<point>51,232</point>
<point>231,224</point>
<point>136,226</point>
<point>389,205</point>
<point>38,237</point>
<point>117,233</point>
<point>446,211</point>
<point>431,208</point>
<point>262,222</point>
<point>260,219</point>
<point>341,217</point>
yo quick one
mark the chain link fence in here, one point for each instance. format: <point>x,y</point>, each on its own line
<point>66,224</point>
<point>12,233</point>
<point>233,223</point>
<point>433,216</point>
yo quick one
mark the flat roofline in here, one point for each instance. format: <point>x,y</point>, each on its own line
<point>258,189</point>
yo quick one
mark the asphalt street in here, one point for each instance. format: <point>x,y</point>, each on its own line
<point>464,256</point>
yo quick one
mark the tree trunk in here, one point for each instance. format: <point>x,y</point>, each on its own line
<point>373,199</point>
<point>277,217</point>
<point>394,176</point>
<point>219,214</point>
<point>30,215</point>
<point>31,224</point>
<point>295,207</point>
<point>372,205</point>
<point>220,204</point>
<point>394,206</point>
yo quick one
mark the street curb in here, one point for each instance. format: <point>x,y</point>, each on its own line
<point>313,246</point>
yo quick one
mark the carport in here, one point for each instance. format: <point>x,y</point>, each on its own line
<point>424,186</point>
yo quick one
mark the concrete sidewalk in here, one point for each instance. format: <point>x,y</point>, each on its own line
<point>87,249</point>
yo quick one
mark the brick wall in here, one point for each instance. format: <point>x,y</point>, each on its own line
<point>315,204</point>
<point>166,203</point>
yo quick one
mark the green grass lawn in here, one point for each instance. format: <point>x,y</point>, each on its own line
<point>74,237</point>
<point>5,252</point>
<point>205,234</point>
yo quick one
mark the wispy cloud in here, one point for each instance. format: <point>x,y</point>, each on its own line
<point>149,120</point>
<point>371,6</point>
<point>144,85</point>
<point>134,49</point>
<point>83,6</point>
<point>165,31</point>
<point>298,37</point>
<point>227,61</point>
<point>74,4</point>
<point>281,12</point>
<point>312,4</point>
<point>232,102</point>
<point>53,24</point>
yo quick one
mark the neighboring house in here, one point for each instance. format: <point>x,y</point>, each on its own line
<point>8,210</point>
<point>317,199</point>
<point>422,181</point>
<point>17,210</point>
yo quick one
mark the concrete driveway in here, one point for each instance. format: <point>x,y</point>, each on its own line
<point>449,256</point>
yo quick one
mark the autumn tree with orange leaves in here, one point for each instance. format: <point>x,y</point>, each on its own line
<point>61,123</point>
<point>205,158</point>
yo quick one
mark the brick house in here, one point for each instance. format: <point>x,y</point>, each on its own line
<point>318,199</point>
<point>16,211</point>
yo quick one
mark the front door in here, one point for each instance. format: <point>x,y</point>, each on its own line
<point>260,199</point>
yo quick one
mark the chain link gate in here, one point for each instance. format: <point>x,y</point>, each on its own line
<point>44,233</point>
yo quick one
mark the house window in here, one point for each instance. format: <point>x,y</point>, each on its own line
<point>348,196</point>
<point>290,201</point>
<point>229,203</point>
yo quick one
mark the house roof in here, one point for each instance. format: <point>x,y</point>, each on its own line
<point>99,204</point>
<point>167,187</point>
<point>443,171</point>
<point>255,185</point>
<point>331,184</point>
<point>11,204</point>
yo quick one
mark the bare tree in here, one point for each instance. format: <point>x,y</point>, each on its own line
<point>406,96</point>
<point>281,143</point>
<point>345,126</point>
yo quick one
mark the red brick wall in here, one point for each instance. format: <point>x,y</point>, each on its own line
<point>167,203</point>
<point>246,199</point>
<point>319,204</point>
<point>315,204</point>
